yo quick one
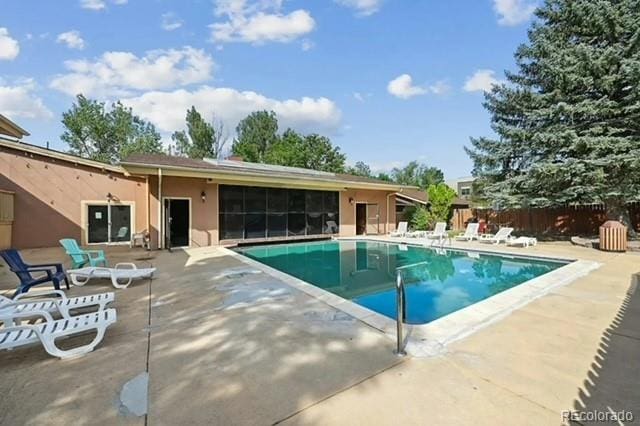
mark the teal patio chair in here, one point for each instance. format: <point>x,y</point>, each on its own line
<point>80,258</point>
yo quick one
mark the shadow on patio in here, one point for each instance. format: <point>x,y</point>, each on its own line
<point>613,383</point>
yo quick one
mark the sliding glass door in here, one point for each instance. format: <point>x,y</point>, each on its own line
<point>258,213</point>
<point>108,223</point>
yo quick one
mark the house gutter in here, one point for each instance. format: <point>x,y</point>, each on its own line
<point>160,221</point>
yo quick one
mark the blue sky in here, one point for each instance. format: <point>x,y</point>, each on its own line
<point>389,81</point>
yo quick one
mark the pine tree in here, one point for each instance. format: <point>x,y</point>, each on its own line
<point>568,120</point>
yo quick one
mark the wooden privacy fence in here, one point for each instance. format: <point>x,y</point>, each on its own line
<point>6,218</point>
<point>556,221</point>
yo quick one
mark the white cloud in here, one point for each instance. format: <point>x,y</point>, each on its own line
<point>18,100</point>
<point>259,21</point>
<point>9,47</point>
<point>92,4</point>
<point>99,4</point>
<point>170,21</point>
<point>440,88</point>
<point>513,12</point>
<point>167,109</point>
<point>123,73</point>
<point>307,44</point>
<point>358,96</point>
<point>362,7</point>
<point>402,87</point>
<point>481,80</point>
<point>72,39</point>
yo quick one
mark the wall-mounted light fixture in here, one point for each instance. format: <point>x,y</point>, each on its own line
<point>351,201</point>
<point>109,197</point>
<point>203,195</point>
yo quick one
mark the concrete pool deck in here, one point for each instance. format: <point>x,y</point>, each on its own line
<point>210,340</point>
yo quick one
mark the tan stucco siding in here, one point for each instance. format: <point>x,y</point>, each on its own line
<point>49,196</point>
<point>204,215</point>
<point>348,210</point>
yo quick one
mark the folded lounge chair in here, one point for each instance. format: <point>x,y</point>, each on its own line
<point>53,272</point>
<point>502,235</point>
<point>470,233</point>
<point>49,330</point>
<point>522,241</point>
<point>121,276</point>
<point>401,231</point>
<point>57,302</point>
<point>79,257</point>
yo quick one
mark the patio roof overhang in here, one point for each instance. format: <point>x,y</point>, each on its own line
<point>249,178</point>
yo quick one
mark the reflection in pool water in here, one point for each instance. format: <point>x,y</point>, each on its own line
<point>437,281</point>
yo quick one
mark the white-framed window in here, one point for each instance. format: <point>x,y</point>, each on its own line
<point>108,222</point>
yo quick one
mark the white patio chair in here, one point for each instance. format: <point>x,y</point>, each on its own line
<point>502,235</point>
<point>121,276</point>
<point>400,231</point>
<point>522,241</point>
<point>470,233</point>
<point>37,302</point>
<point>50,330</point>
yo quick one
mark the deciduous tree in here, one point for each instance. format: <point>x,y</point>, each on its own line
<point>93,131</point>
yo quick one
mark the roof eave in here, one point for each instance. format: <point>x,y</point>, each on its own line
<point>149,168</point>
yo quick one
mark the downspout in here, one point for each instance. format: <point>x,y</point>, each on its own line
<point>148,210</point>
<point>386,225</point>
<point>160,221</point>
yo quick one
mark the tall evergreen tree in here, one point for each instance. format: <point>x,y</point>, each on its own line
<point>202,139</point>
<point>568,120</point>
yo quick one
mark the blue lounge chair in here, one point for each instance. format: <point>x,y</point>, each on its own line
<point>80,258</point>
<point>54,272</point>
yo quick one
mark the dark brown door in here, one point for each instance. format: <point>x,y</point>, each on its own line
<point>361,219</point>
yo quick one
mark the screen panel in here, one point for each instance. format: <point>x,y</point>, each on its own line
<point>256,212</point>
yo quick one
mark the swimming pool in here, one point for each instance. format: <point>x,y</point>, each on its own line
<point>437,281</point>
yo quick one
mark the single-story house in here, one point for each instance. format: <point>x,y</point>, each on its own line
<point>182,202</point>
<point>411,197</point>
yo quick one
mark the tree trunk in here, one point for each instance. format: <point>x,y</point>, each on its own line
<point>617,209</point>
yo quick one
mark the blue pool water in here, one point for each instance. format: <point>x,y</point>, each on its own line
<point>437,281</point>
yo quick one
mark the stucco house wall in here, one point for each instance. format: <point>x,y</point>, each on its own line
<point>204,214</point>
<point>386,204</point>
<point>49,196</point>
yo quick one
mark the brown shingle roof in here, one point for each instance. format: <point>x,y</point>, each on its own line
<point>247,167</point>
<point>423,197</point>
<point>167,160</point>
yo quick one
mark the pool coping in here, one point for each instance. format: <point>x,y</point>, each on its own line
<point>432,338</point>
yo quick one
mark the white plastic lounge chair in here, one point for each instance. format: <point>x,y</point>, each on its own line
<point>416,234</point>
<point>502,235</point>
<point>58,304</point>
<point>470,233</point>
<point>121,276</point>
<point>401,231</point>
<point>439,231</point>
<point>522,241</point>
<point>48,331</point>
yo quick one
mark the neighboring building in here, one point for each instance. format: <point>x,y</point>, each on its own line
<point>463,186</point>
<point>11,129</point>
<point>410,197</point>
<point>184,202</point>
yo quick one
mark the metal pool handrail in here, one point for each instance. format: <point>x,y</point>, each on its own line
<point>400,305</point>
